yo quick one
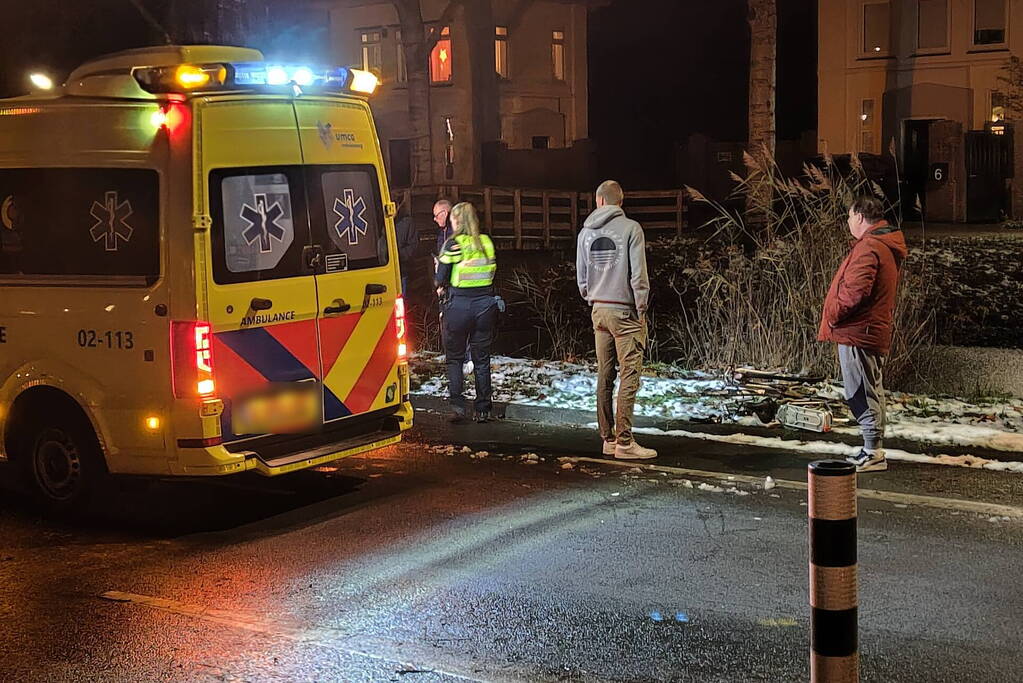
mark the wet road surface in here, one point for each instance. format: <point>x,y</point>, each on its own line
<point>414,565</point>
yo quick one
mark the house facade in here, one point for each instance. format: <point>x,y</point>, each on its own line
<point>508,88</point>
<point>921,78</point>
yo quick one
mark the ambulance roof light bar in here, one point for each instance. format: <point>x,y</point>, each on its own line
<point>185,78</point>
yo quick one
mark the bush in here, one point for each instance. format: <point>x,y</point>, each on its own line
<point>759,301</point>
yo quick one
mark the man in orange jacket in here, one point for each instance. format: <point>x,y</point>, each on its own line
<point>858,315</point>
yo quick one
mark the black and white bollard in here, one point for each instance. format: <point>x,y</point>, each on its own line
<point>834,641</point>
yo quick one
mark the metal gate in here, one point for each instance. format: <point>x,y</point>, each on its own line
<point>988,165</point>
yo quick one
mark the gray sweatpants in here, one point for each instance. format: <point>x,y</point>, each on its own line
<point>862,381</point>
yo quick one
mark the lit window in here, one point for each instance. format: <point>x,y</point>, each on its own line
<point>876,28</point>
<point>932,24</point>
<point>989,22</point>
<point>558,55</point>
<point>440,58</point>
<point>402,75</point>
<point>867,113</point>
<point>997,107</point>
<point>372,58</point>
<point>501,51</point>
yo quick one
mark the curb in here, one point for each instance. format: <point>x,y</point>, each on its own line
<point>570,417</point>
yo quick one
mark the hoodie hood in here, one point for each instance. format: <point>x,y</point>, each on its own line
<point>603,216</point>
<point>893,238</point>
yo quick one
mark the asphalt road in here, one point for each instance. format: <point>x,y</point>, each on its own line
<point>414,565</point>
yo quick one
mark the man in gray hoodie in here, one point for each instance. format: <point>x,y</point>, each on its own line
<point>611,273</point>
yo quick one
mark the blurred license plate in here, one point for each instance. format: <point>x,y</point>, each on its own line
<point>282,409</point>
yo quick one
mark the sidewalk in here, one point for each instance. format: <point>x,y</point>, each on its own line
<point>833,444</point>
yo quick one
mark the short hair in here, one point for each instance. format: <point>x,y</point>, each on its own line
<point>611,192</point>
<point>443,204</point>
<point>871,208</point>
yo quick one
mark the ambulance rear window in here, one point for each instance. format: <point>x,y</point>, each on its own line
<point>345,204</point>
<point>259,224</point>
<point>80,226</point>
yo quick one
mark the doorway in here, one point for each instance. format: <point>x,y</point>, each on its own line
<point>916,162</point>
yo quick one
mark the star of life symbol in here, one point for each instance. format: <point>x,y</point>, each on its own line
<point>263,225</point>
<point>111,221</point>
<point>351,222</point>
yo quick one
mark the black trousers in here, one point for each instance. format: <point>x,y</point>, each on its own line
<point>469,321</point>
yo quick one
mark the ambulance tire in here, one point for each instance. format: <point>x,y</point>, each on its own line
<point>63,464</point>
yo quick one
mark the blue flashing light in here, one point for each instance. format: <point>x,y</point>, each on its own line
<point>261,73</point>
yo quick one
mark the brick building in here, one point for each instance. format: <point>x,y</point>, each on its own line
<point>925,74</point>
<point>523,62</point>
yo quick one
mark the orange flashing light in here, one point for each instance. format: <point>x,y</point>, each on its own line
<point>364,82</point>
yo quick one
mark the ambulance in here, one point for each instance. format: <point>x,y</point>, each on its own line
<point>198,272</point>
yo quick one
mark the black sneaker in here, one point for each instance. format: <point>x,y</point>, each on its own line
<point>482,417</point>
<point>869,462</point>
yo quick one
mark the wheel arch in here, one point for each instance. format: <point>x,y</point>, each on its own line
<point>42,399</point>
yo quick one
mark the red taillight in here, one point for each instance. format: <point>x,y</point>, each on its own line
<point>192,359</point>
<point>399,326</point>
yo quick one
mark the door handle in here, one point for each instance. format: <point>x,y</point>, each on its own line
<point>375,289</point>
<point>258,304</point>
<point>339,306</point>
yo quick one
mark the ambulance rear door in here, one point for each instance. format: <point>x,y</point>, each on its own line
<point>357,281</point>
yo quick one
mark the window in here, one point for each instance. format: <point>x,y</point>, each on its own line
<point>867,113</point>
<point>402,71</point>
<point>867,141</point>
<point>558,55</point>
<point>255,219</point>
<point>372,57</point>
<point>876,28</point>
<point>932,24</point>
<point>351,215</point>
<point>997,107</point>
<point>989,22</point>
<point>440,58</point>
<point>262,224</point>
<point>91,224</point>
<point>501,51</point>
<point>724,157</point>
<point>541,142</point>
<point>867,126</point>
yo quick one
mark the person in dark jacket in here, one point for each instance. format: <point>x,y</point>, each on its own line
<point>408,243</point>
<point>858,315</point>
<point>466,271</point>
<point>442,217</point>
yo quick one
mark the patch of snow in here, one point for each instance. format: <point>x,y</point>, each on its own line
<point>701,396</point>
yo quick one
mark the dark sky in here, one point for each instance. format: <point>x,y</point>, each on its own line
<point>660,70</point>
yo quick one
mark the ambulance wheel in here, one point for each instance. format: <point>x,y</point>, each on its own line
<point>64,465</point>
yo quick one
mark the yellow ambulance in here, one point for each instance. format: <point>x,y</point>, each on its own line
<point>198,272</point>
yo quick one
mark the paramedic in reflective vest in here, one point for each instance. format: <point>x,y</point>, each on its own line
<point>467,265</point>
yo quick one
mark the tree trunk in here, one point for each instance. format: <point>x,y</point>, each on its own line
<point>486,117</point>
<point>417,58</point>
<point>763,22</point>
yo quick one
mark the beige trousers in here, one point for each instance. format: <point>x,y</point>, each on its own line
<point>621,338</point>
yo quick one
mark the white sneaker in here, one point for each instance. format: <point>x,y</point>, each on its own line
<point>609,448</point>
<point>634,452</point>
<point>869,462</point>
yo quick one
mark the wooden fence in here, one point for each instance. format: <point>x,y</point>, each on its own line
<point>532,219</point>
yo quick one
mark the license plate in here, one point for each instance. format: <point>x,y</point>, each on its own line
<point>282,409</point>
